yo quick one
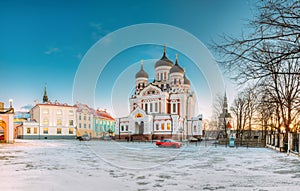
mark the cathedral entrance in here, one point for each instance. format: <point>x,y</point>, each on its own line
<point>139,129</point>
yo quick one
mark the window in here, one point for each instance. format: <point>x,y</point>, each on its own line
<point>174,107</point>
<point>71,112</point>
<point>71,130</point>
<point>45,130</point>
<point>163,126</point>
<point>58,131</point>
<point>79,125</point>
<point>59,112</point>
<point>59,122</point>
<point>122,128</point>
<point>71,122</point>
<point>175,81</point>
<point>45,111</point>
<point>126,127</point>
<point>161,76</point>
<point>84,118</point>
<point>89,118</point>
<point>195,128</point>
<point>89,126</point>
<point>45,122</point>
<point>146,107</point>
<point>28,131</point>
<point>157,126</point>
<point>84,126</point>
<point>35,130</point>
<point>165,75</point>
<point>79,117</point>
<point>168,126</point>
<point>156,107</point>
<point>151,107</point>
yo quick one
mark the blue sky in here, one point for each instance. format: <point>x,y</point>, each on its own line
<point>44,41</point>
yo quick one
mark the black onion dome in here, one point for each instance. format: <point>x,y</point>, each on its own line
<point>176,68</point>
<point>141,73</point>
<point>186,81</point>
<point>164,61</point>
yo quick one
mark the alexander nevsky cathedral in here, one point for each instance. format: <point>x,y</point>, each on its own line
<point>164,108</point>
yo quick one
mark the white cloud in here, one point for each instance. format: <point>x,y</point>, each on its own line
<point>79,56</point>
<point>51,50</point>
<point>98,31</point>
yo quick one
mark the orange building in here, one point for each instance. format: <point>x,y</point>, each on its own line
<point>6,123</point>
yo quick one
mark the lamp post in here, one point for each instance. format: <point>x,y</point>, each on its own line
<point>152,133</point>
<point>171,125</point>
<point>119,130</point>
<point>282,141</point>
<point>10,102</point>
<point>181,133</point>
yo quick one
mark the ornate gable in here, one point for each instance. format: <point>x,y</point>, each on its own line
<point>138,113</point>
<point>150,90</point>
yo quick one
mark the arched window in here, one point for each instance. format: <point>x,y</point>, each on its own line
<point>168,126</point>
<point>174,107</point>
<point>163,126</point>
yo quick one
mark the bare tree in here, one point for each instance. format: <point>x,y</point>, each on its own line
<point>218,108</point>
<point>238,111</point>
<point>243,109</point>
<point>269,55</point>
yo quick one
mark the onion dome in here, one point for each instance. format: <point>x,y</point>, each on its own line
<point>186,81</point>
<point>141,73</point>
<point>176,68</point>
<point>164,61</point>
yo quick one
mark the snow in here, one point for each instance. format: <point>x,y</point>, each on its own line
<point>96,165</point>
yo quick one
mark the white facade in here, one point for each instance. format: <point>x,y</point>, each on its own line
<point>163,108</point>
<point>50,121</point>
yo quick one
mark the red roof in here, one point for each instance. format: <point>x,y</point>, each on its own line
<point>104,114</point>
<point>228,125</point>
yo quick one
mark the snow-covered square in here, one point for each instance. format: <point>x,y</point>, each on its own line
<point>108,165</point>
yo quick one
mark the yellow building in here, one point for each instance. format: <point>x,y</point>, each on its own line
<point>85,120</point>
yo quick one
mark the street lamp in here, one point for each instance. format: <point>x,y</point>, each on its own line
<point>181,133</point>
<point>10,102</point>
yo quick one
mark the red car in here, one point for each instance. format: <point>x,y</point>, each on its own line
<point>168,143</point>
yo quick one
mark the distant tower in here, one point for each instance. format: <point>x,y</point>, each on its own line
<point>225,104</point>
<point>45,97</point>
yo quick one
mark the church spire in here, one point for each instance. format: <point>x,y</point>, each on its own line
<point>45,97</point>
<point>225,104</point>
<point>176,63</point>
